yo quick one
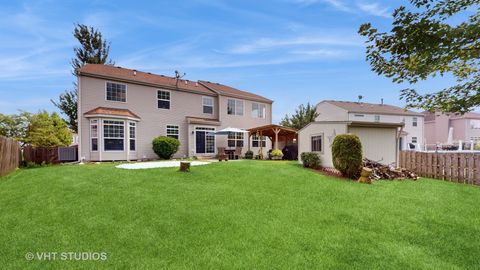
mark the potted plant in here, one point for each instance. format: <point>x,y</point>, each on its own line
<point>277,154</point>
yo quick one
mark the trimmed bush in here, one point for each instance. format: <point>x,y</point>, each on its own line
<point>277,153</point>
<point>347,155</point>
<point>249,154</point>
<point>310,160</point>
<point>165,146</point>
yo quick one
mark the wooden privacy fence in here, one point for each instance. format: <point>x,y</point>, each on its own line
<point>50,155</point>
<point>10,155</point>
<point>455,167</point>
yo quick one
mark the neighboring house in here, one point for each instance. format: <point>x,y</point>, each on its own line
<point>462,127</point>
<point>383,129</point>
<point>122,110</point>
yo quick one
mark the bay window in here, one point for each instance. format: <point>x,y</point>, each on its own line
<point>132,136</point>
<point>113,135</point>
<point>94,135</point>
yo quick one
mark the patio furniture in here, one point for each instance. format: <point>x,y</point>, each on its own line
<point>222,155</point>
<point>238,152</point>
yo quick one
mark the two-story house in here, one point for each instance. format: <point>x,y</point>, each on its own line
<point>383,129</point>
<point>439,127</point>
<point>121,111</point>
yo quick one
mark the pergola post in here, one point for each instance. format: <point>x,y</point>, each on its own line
<point>276,131</point>
<point>249,137</point>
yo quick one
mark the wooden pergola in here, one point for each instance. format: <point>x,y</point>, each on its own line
<point>274,132</point>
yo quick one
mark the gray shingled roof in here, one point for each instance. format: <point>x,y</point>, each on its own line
<point>362,107</point>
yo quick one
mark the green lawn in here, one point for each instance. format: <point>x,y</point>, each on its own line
<point>235,215</point>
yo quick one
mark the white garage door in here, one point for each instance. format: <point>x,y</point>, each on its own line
<point>379,144</point>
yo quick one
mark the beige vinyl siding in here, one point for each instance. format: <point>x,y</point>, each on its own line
<point>379,144</point>
<point>142,100</point>
<point>328,130</point>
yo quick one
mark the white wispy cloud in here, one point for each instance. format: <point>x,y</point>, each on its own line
<point>369,8</point>
<point>263,44</point>
<point>374,9</point>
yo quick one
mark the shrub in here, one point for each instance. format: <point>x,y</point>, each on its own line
<point>249,154</point>
<point>476,146</point>
<point>310,160</point>
<point>347,155</point>
<point>165,147</point>
<point>277,153</point>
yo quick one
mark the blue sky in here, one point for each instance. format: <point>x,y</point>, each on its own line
<point>291,51</point>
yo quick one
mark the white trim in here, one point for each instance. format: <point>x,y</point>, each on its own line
<point>112,116</point>
<point>126,92</point>
<point>157,99</point>
<point>213,105</point>
<point>79,118</point>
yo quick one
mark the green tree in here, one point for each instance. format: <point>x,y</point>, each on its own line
<point>93,49</point>
<point>304,115</point>
<point>427,42</point>
<point>15,125</point>
<point>46,130</point>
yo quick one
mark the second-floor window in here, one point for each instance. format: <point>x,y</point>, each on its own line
<point>414,140</point>
<point>475,124</point>
<point>235,139</point>
<point>415,121</point>
<point>235,107</point>
<point>258,110</point>
<point>116,92</point>
<point>207,103</point>
<point>377,118</point>
<point>173,131</point>
<point>163,99</point>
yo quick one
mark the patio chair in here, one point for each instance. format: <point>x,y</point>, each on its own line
<point>221,154</point>
<point>238,153</point>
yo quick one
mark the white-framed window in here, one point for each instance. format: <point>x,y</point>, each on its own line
<point>316,143</point>
<point>235,107</point>
<point>377,118</point>
<point>359,115</point>
<point>116,92</point>
<point>132,136</point>
<point>259,140</point>
<point>474,124</point>
<point>163,99</point>
<point>173,131</point>
<point>258,110</point>
<point>235,139</point>
<point>94,135</point>
<point>113,135</point>
<point>207,103</point>
<point>414,121</point>
<point>414,140</point>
